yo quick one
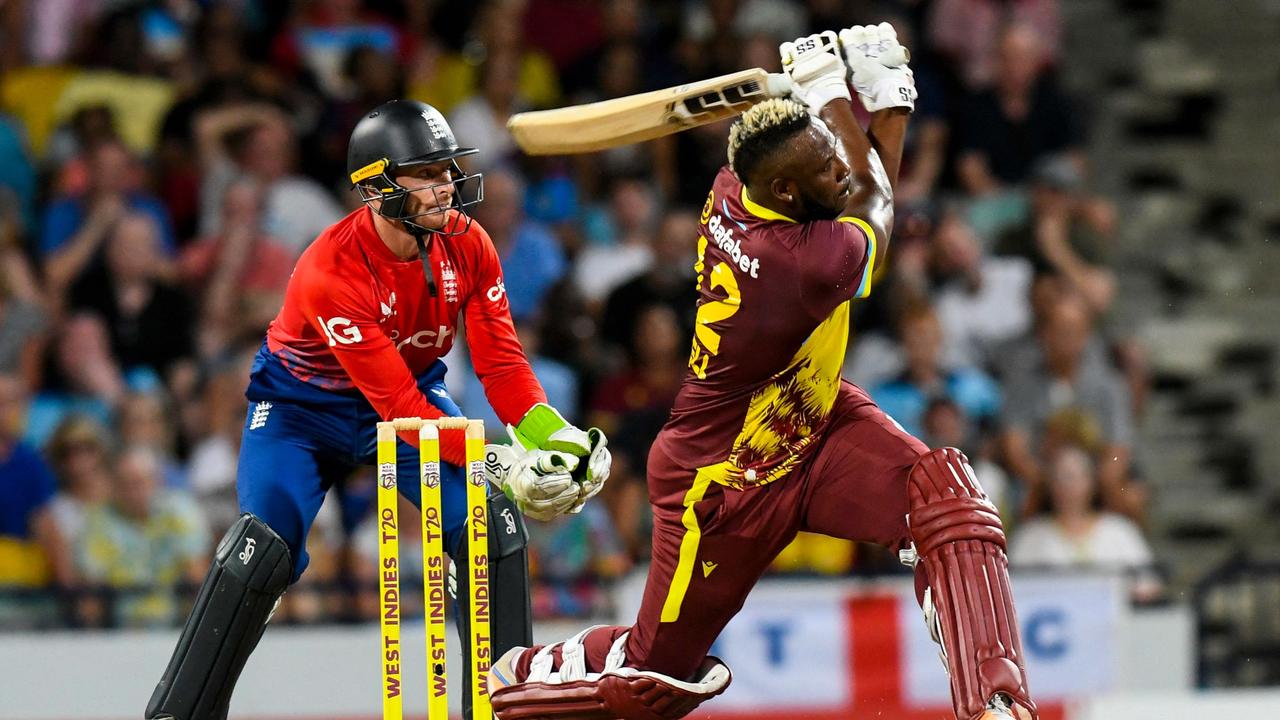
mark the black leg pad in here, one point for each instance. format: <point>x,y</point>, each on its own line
<point>250,572</point>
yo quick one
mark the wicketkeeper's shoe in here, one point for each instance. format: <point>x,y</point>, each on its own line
<point>502,673</point>
<point>1001,708</point>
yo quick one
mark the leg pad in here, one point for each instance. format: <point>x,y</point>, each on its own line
<point>960,543</point>
<point>250,572</point>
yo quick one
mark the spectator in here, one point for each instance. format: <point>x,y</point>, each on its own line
<point>33,552</point>
<point>967,33</point>
<point>481,120</point>
<point>925,155</point>
<point>621,246</point>
<point>624,23</point>
<point>1022,117</point>
<point>239,275</point>
<point>370,77</point>
<point>669,281</point>
<point>22,313</point>
<point>1057,375</point>
<point>80,456</point>
<point>148,320</point>
<point>70,147</point>
<point>445,79</point>
<point>619,74</point>
<point>1076,533</point>
<point>82,377</point>
<point>738,19</point>
<point>983,302</point>
<point>532,260</point>
<point>320,36</point>
<point>925,378</point>
<point>76,228</point>
<point>219,423</point>
<point>1068,234</point>
<point>143,544</point>
<point>648,385</point>
<point>256,141</point>
<point>17,176</point>
<point>144,422</point>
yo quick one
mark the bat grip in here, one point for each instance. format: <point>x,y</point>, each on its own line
<point>778,85</point>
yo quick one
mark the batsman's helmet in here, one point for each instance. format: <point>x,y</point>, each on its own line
<point>397,135</point>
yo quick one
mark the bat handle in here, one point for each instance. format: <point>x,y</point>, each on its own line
<point>778,85</point>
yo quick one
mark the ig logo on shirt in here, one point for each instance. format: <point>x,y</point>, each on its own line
<point>340,331</point>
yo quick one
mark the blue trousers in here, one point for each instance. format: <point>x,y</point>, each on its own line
<point>299,439</point>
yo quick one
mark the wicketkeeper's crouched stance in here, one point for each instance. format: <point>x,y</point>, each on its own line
<point>372,307</point>
<point>766,439</point>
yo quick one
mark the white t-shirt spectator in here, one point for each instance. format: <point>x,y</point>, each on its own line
<point>476,125</point>
<point>601,269</point>
<point>1114,542</point>
<point>975,321</point>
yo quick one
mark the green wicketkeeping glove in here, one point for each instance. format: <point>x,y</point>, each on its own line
<point>544,428</point>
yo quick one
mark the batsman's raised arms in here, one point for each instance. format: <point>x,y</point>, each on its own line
<point>636,118</point>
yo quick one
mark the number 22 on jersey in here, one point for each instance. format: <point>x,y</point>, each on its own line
<point>706,340</point>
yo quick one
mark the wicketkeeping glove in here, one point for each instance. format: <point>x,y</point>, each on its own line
<point>544,428</point>
<point>816,70</point>
<point>540,482</point>
<point>878,67</point>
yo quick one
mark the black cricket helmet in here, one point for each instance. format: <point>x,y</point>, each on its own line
<point>401,134</point>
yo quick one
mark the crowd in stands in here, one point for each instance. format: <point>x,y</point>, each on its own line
<point>163,164</point>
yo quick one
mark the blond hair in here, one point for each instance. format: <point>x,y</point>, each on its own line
<point>760,129</point>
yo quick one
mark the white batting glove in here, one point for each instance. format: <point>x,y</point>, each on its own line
<point>878,67</point>
<point>816,70</point>
<point>539,481</point>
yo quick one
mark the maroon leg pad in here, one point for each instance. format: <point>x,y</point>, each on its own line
<point>960,542</point>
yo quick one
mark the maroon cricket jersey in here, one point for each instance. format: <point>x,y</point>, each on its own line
<point>769,342</point>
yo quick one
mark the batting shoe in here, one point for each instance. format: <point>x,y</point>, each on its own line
<point>503,672</point>
<point>1000,707</point>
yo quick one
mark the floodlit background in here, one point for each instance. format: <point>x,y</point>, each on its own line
<point>1082,294</point>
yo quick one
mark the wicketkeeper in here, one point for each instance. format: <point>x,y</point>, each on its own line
<point>372,306</point>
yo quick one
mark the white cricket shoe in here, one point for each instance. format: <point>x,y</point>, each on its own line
<point>503,672</point>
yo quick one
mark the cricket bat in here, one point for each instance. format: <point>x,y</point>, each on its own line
<point>636,118</point>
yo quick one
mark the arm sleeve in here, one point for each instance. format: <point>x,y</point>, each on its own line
<point>337,311</point>
<point>41,487</point>
<point>836,260</point>
<point>60,223</point>
<point>496,355</point>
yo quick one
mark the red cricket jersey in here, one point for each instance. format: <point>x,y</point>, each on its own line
<point>769,342</point>
<point>357,316</point>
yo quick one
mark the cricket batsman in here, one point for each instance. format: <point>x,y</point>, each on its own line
<point>372,306</point>
<point>766,439</point>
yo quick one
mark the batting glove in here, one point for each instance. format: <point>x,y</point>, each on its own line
<point>878,67</point>
<point>816,70</point>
